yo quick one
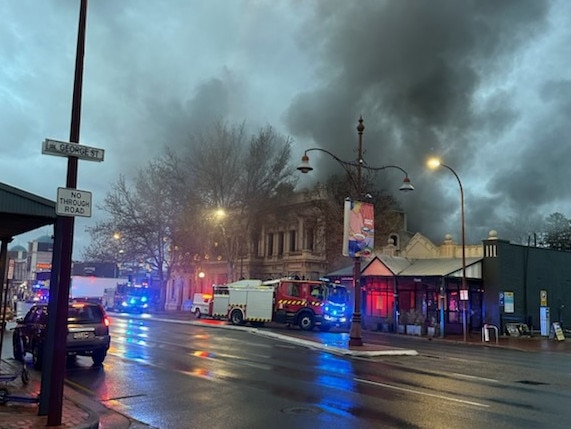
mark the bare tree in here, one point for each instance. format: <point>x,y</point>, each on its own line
<point>241,175</point>
<point>523,228</point>
<point>557,233</point>
<point>146,216</point>
<point>167,216</point>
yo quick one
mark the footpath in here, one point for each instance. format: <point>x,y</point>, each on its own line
<point>81,412</point>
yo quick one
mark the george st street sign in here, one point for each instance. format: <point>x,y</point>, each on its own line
<point>80,151</point>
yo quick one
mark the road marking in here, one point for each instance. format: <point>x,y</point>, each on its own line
<point>418,392</point>
<point>473,377</point>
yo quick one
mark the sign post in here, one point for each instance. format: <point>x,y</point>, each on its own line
<point>51,390</point>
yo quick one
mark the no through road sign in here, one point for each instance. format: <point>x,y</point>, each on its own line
<point>73,202</point>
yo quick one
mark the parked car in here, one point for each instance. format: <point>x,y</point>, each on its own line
<point>87,332</point>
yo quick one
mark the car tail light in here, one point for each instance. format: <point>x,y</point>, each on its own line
<point>106,321</point>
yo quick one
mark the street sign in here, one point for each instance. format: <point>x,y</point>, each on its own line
<point>543,298</point>
<point>73,202</point>
<point>80,151</point>
<point>559,335</point>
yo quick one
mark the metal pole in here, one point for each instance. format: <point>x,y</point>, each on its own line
<point>355,334</point>
<point>67,223</point>
<point>3,286</point>
<point>464,285</point>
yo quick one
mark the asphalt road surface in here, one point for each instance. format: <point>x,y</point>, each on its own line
<point>171,375</point>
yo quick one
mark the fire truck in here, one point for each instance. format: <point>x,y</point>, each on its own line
<point>303,303</point>
<point>129,297</point>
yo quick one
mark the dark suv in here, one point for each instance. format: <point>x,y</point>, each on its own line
<point>87,332</point>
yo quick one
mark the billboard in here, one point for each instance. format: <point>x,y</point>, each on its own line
<point>358,228</point>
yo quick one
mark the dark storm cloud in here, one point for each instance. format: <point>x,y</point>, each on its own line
<point>483,84</point>
<point>431,78</point>
<point>154,73</point>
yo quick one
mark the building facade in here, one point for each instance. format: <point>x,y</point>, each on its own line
<point>524,284</point>
<point>293,244</point>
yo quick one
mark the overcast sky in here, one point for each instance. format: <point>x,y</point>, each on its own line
<point>485,85</point>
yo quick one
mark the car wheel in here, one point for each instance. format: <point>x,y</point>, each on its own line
<point>3,395</point>
<point>98,357</point>
<point>37,354</point>
<point>236,317</point>
<point>197,313</point>
<point>25,376</point>
<point>306,322</point>
<point>18,347</point>
<point>70,360</point>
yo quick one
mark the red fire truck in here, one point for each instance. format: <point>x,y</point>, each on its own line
<point>303,303</point>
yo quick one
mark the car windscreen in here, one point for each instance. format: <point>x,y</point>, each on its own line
<point>337,294</point>
<point>84,314</point>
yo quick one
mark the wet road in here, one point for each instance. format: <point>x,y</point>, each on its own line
<point>172,375</point>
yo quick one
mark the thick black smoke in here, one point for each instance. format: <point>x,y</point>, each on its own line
<point>435,78</point>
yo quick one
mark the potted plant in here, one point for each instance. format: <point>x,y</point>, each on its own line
<point>432,327</point>
<point>415,322</point>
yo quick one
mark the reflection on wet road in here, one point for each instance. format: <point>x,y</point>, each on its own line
<point>174,375</point>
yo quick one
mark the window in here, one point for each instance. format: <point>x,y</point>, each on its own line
<point>37,315</point>
<point>280,243</point>
<point>309,239</point>
<point>454,307</point>
<point>84,314</point>
<point>270,244</point>
<point>317,292</point>
<point>292,243</point>
<point>381,300</point>
<point>394,240</point>
<point>292,289</point>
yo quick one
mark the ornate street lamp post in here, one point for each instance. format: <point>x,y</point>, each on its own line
<point>435,163</point>
<point>355,334</point>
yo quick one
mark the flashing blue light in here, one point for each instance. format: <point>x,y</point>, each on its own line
<point>144,299</point>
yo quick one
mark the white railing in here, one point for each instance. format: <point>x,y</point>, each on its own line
<point>486,332</point>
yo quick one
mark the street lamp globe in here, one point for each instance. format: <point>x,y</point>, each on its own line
<point>433,163</point>
<point>304,166</point>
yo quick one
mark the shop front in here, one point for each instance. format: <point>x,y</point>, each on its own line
<point>431,300</point>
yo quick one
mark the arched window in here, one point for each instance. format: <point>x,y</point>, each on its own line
<point>395,240</point>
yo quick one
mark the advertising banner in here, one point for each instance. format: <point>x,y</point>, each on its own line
<point>359,229</point>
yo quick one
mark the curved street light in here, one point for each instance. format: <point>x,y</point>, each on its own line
<point>355,334</point>
<point>434,163</point>
<point>305,167</point>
